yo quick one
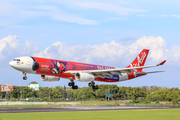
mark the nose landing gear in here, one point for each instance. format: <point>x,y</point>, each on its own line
<point>72,84</point>
<point>24,77</point>
<point>92,84</point>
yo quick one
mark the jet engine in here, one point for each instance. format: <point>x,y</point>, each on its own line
<point>49,78</point>
<point>35,66</point>
<point>85,77</point>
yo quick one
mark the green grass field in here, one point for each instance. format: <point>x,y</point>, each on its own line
<point>153,114</point>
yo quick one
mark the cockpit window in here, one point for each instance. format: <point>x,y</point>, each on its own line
<point>16,60</point>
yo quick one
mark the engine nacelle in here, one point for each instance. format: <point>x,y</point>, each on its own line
<point>84,77</point>
<point>49,78</point>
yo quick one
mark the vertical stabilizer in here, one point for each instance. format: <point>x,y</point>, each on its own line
<point>140,59</point>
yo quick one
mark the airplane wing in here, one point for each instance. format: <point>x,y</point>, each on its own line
<point>99,73</point>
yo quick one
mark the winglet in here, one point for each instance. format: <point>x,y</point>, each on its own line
<point>162,63</point>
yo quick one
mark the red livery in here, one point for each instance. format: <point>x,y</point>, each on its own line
<point>53,70</point>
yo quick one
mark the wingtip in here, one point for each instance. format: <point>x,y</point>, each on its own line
<point>162,63</point>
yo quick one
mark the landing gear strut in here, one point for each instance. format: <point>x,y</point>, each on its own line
<point>24,77</point>
<point>92,84</point>
<point>73,85</point>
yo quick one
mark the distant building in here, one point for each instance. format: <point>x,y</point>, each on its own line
<point>34,85</point>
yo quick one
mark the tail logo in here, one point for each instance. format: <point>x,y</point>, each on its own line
<point>139,60</point>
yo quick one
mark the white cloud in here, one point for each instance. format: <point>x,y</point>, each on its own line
<point>28,12</point>
<point>29,48</point>
<point>8,9</point>
<point>55,13</point>
<point>173,55</point>
<point>117,18</point>
<point>73,19</point>
<point>109,53</point>
<point>109,7</point>
<point>177,16</point>
<point>152,42</point>
<point>8,44</point>
<point>113,6</point>
<point>28,43</point>
<point>142,15</point>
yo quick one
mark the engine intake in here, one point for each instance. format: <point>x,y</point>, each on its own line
<point>85,77</point>
<point>49,78</point>
<point>35,66</point>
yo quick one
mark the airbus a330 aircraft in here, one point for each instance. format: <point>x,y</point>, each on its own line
<point>52,70</point>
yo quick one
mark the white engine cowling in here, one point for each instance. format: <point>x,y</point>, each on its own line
<point>84,77</point>
<point>49,78</point>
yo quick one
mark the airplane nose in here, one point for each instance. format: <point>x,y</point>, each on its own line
<point>11,63</point>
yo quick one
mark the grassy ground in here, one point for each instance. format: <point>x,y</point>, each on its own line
<point>156,114</point>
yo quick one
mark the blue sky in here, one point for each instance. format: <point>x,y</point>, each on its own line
<point>92,31</point>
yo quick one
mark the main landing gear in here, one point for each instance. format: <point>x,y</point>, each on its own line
<point>24,77</point>
<point>92,84</point>
<point>72,84</point>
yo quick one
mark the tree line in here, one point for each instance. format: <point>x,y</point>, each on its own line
<point>145,93</point>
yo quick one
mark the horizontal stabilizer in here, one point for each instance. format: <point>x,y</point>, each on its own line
<point>154,72</point>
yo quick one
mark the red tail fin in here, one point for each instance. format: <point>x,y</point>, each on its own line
<point>140,59</point>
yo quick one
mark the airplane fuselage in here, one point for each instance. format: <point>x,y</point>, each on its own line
<point>57,68</point>
<point>52,70</point>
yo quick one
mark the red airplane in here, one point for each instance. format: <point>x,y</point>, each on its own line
<point>53,70</point>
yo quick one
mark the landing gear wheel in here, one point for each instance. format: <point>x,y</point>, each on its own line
<point>69,84</point>
<point>24,78</point>
<point>72,84</point>
<point>92,84</point>
<point>89,84</point>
